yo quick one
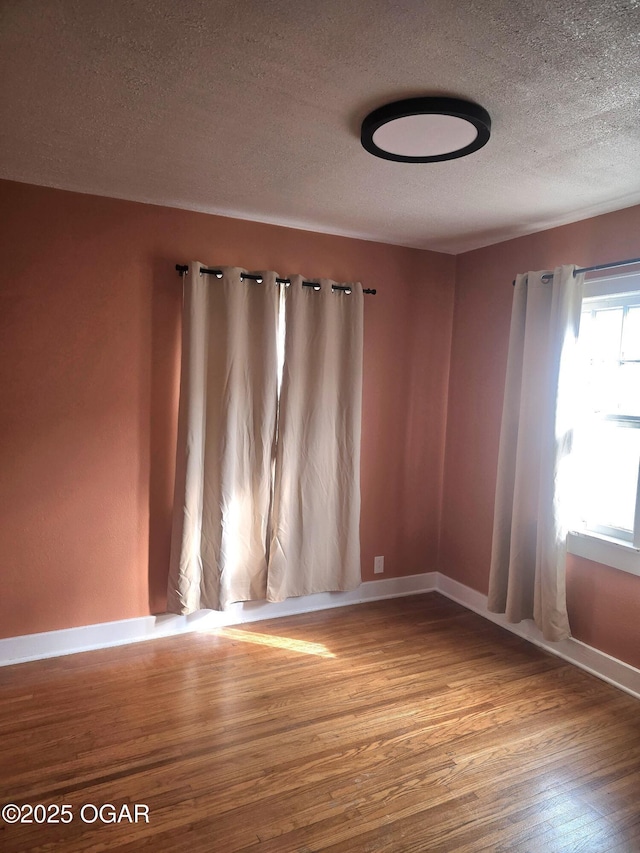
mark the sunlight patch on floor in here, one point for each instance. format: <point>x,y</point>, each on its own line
<point>286,643</point>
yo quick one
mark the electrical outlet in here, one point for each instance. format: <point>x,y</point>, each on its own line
<point>378,565</point>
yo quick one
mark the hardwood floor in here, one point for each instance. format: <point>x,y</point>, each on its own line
<point>406,725</point>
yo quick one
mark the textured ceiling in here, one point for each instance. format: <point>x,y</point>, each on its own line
<point>253,109</point>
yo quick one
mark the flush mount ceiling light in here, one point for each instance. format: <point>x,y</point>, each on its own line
<point>426,130</point>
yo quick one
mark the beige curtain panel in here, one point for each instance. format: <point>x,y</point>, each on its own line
<point>527,575</point>
<point>226,441</point>
<point>267,487</point>
<point>315,545</point>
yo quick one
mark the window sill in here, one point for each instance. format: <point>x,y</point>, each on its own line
<point>601,549</point>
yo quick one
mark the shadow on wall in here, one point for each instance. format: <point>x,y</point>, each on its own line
<point>166,315</point>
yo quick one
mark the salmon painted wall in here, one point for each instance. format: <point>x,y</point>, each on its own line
<point>603,603</point>
<point>89,348</point>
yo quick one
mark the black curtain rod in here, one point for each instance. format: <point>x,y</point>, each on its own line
<point>629,262</point>
<point>626,263</point>
<point>183,268</point>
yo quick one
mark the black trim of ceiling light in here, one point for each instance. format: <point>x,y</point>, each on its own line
<point>473,113</point>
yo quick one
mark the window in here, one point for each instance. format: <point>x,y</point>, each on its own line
<point>605,458</point>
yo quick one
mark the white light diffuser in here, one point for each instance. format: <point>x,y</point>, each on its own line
<point>425,130</point>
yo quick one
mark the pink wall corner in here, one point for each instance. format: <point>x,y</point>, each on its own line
<point>407,344</point>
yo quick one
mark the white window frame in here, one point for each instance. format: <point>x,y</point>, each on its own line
<point>608,545</point>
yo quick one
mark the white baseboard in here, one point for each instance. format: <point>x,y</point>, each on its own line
<point>604,666</point>
<point>88,637</point>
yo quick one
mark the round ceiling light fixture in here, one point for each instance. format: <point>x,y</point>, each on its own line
<point>426,130</point>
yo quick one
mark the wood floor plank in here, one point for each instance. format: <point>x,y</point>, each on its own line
<point>407,725</point>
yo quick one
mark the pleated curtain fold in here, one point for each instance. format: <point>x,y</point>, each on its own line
<point>527,574</point>
<point>267,493</point>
